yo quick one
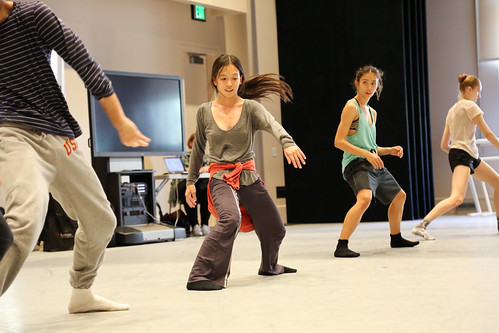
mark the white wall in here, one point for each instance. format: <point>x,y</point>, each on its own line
<point>266,61</point>
<point>488,69</point>
<point>237,6</point>
<point>451,51</point>
<point>488,28</point>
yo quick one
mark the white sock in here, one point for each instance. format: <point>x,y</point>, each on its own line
<point>83,300</point>
<point>423,224</point>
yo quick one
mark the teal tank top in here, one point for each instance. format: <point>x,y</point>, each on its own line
<point>364,138</point>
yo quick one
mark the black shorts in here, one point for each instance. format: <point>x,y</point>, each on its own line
<point>361,175</point>
<point>461,157</point>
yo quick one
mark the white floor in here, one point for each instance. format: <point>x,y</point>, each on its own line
<point>447,285</point>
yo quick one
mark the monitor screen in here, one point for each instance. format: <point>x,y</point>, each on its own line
<point>155,103</point>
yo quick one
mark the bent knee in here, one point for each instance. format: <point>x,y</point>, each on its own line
<point>229,221</point>
<point>364,199</point>
<point>107,224</point>
<point>457,201</point>
<point>401,196</point>
<point>110,219</point>
<point>281,233</point>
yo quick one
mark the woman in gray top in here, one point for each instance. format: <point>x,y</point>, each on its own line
<point>229,124</point>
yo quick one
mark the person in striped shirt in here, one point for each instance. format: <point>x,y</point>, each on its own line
<point>38,151</point>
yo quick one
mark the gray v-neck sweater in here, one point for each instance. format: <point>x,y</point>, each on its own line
<point>236,144</point>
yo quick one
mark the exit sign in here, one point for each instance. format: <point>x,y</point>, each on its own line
<point>198,13</point>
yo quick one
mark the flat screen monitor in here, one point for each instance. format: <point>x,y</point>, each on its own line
<point>155,103</point>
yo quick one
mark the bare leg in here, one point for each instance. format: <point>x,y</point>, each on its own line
<point>459,184</point>
<point>488,175</point>
<point>352,220</point>
<point>395,211</point>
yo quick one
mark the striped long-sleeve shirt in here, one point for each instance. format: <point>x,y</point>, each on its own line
<point>29,92</point>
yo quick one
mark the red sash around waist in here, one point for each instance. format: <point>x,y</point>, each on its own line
<point>232,179</point>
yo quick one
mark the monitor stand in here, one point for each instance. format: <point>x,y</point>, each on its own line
<point>117,164</point>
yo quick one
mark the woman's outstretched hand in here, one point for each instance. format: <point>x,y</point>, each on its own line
<point>295,156</point>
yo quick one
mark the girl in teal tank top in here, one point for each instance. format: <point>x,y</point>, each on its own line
<point>365,136</point>
<point>362,166</point>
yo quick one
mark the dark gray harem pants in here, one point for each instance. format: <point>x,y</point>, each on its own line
<point>213,260</point>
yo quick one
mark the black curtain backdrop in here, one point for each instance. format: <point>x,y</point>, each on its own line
<point>321,45</point>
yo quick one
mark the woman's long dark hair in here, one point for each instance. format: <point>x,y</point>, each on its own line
<point>257,86</point>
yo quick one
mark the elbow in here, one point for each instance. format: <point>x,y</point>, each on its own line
<point>338,143</point>
<point>444,148</point>
<point>444,145</point>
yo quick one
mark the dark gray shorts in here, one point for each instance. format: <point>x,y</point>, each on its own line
<point>361,175</point>
<point>461,157</point>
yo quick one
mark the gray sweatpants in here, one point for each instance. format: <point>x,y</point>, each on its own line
<point>32,164</point>
<point>213,260</point>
